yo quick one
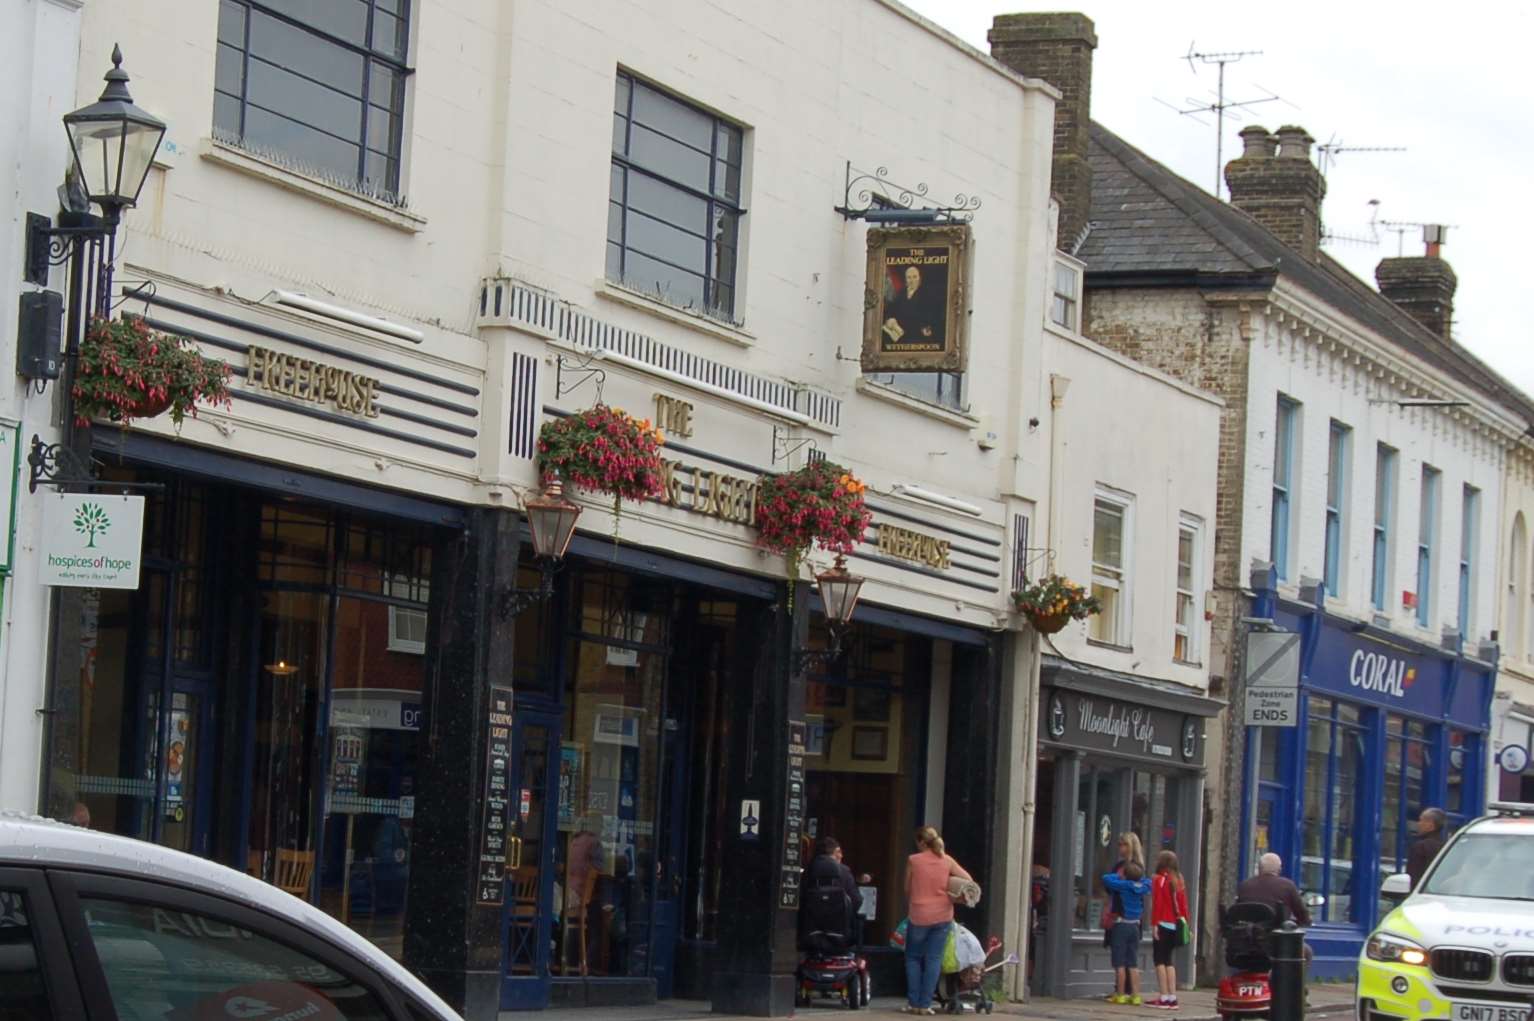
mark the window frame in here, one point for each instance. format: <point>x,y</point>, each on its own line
<point>1427,537</point>
<point>1071,303</point>
<point>1338,456</point>
<point>1386,463</point>
<point>391,191</point>
<point>70,887</point>
<point>1189,633</point>
<point>1517,604</point>
<point>48,939</point>
<point>1286,420</point>
<point>1123,620</point>
<point>1469,536</point>
<point>713,197</point>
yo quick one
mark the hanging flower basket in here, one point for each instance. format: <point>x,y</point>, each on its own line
<point>1053,601</point>
<point>127,370</point>
<point>604,449</point>
<point>820,504</point>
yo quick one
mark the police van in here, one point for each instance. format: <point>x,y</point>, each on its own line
<point>1460,947</point>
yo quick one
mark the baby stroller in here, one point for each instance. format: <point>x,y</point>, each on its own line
<point>827,935</point>
<point>964,990</point>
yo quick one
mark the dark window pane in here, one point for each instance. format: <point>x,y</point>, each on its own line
<point>668,158</point>
<point>726,180</point>
<point>724,299</point>
<point>620,133</point>
<point>614,262</point>
<point>381,175</point>
<point>664,202</point>
<point>344,19</point>
<point>229,70</point>
<point>231,23</point>
<point>389,34</point>
<point>726,226</point>
<point>621,96</point>
<point>673,285</point>
<point>724,264</point>
<point>663,241</point>
<point>315,105</point>
<point>614,222</point>
<point>615,183</point>
<point>23,993</point>
<point>306,53</point>
<point>666,115</point>
<point>380,129</point>
<point>307,148</point>
<point>226,116</point>
<point>386,87</point>
<point>392,7</point>
<point>728,145</point>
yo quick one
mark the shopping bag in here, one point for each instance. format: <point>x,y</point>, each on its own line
<point>951,952</point>
<point>897,938</point>
<point>967,950</point>
<point>1184,932</point>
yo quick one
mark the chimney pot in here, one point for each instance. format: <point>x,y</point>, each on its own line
<point>1257,143</point>
<point>1294,142</point>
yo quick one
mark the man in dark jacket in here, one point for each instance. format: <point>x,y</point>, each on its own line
<point>1427,845</point>
<point>827,869</point>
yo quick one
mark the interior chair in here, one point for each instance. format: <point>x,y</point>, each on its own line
<point>294,871</point>
<point>576,913</point>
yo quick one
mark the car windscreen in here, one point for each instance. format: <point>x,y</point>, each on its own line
<point>1497,865</point>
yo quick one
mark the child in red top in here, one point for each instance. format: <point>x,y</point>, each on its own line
<point>1169,906</point>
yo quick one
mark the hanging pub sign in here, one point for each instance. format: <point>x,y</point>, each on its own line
<point>91,540</point>
<point>915,302</point>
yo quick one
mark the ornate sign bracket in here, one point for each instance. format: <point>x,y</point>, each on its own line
<point>877,199</point>
<point>581,372</point>
<point>785,446</point>
<point>53,464</point>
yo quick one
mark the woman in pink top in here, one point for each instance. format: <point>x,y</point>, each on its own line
<point>930,918</point>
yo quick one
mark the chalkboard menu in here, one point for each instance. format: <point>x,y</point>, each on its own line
<point>494,834</point>
<point>793,817</point>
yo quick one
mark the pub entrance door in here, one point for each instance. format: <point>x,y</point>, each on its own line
<point>527,920</point>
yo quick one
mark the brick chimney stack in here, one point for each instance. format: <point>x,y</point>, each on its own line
<point>1058,48</point>
<point>1423,286</point>
<point>1274,182</point>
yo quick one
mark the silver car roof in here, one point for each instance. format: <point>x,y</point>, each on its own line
<point>33,840</point>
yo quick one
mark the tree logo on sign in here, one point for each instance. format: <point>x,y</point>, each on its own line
<point>90,521</point>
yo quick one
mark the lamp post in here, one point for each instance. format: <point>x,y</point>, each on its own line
<point>113,144</point>
<point>839,589</point>
<point>551,519</point>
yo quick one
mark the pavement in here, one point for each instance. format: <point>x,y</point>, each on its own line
<point>1327,999</point>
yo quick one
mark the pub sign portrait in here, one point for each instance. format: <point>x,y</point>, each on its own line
<point>915,301</point>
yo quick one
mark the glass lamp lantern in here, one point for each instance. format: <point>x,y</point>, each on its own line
<point>551,520</point>
<point>839,590</point>
<point>113,142</point>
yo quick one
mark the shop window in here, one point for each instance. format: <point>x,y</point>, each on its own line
<point>1384,520</point>
<point>1110,568</point>
<point>1339,446</point>
<point>1187,622</point>
<point>160,960</point>
<point>865,723</point>
<point>1427,536</point>
<point>294,545</point>
<point>674,205</point>
<point>1285,430</point>
<point>316,87</point>
<point>1469,527</point>
<point>23,991</point>
<point>1408,774</point>
<point>1459,798</point>
<point>1334,771</point>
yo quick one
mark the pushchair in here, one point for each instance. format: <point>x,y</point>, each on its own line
<point>828,935</point>
<point>964,989</point>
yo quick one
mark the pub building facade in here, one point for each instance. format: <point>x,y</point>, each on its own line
<point>344,672</point>
<point>1387,726</point>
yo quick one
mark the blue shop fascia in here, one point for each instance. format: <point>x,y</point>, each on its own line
<point>1388,725</point>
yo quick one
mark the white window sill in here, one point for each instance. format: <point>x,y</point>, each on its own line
<point>235,158</point>
<point>882,392</point>
<point>692,320</point>
<point>1098,643</point>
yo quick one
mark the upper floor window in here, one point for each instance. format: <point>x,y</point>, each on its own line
<point>1384,519</point>
<point>1065,309</point>
<point>1516,609</point>
<point>1185,627</point>
<point>1110,569</point>
<point>673,215</point>
<point>1336,498</point>
<point>1427,532</point>
<point>1285,428</point>
<point>318,87</point>
<point>1469,527</point>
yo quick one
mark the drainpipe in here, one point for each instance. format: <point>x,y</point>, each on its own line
<point>1058,386</point>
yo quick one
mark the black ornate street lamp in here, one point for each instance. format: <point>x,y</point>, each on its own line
<point>113,143</point>
<point>839,589</point>
<point>551,520</point>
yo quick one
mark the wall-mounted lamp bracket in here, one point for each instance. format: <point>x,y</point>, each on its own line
<point>874,198</point>
<point>580,371</point>
<point>513,600</point>
<point>48,245</point>
<point>805,658</point>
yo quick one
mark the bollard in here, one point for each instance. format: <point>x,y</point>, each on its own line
<point>1286,982</point>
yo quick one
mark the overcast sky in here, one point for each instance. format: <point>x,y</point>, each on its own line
<point>1450,83</point>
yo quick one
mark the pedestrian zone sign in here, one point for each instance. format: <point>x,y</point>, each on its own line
<point>1272,679</point>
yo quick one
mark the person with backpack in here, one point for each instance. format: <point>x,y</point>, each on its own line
<point>1169,923</point>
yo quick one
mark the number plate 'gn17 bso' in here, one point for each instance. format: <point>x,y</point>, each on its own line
<point>1489,1012</point>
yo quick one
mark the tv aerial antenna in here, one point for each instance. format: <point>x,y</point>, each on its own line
<point>1326,153</point>
<point>1194,57</point>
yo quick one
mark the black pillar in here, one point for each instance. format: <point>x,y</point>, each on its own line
<point>452,941</point>
<point>969,789</point>
<point>758,911</point>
